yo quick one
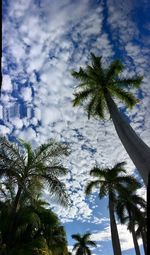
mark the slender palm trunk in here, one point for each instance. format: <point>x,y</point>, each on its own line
<point>144,242</point>
<point>136,246</point>
<point>114,230</point>
<point>138,151</point>
<point>132,229</point>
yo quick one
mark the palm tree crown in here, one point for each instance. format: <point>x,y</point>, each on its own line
<point>29,169</point>
<point>83,243</point>
<point>97,81</point>
<point>110,180</point>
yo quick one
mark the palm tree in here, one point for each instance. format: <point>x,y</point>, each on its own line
<point>110,182</point>
<point>37,229</point>
<point>28,169</point>
<point>98,86</point>
<point>82,245</point>
<point>128,209</point>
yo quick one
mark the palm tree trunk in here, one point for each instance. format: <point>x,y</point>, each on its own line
<point>114,230</point>
<point>138,151</point>
<point>136,246</point>
<point>144,242</point>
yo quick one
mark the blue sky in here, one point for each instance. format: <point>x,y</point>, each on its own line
<point>42,42</point>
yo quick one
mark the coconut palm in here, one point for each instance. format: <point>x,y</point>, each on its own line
<point>98,86</point>
<point>109,182</point>
<point>28,170</point>
<point>82,245</point>
<point>128,209</point>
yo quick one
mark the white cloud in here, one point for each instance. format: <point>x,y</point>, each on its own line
<point>49,40</point>
<point>26,94</point>
<point>6,83</point>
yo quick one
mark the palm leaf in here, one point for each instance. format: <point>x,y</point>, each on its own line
<point>134,82</point>
<point>128,98</point>
<point>114,69</point>
<point>81,75</point>
<point>81,96</point>
<point>91,185</point>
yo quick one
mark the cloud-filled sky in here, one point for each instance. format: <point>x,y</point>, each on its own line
<point>43,41</point>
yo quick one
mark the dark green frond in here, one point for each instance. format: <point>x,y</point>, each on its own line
<point>91,185</point>
<point>95,60</point>
<point>76,246</point>
<point>120,165</point>
<point>91,243</point>
<point>96,63</point>
<point>28,148</point>
<point>81,96</point>
<point>81,75</point>
<point>134,82</point>
<point>99,172</point>
<point>86,236</point>
<point>51,149</point>
<point>88,251</point>
<point>114,69</point>
<point>99,108</point>
<point>77,237</point>
<point>56,188</point>
<point>128,98</point>
<point>129,181</point>
<point>104,189</point>
<point>95,107</point>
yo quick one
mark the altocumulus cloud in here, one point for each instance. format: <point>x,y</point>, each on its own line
<point>42,43</point>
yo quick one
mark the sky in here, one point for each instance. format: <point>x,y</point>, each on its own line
<point>43,41</point>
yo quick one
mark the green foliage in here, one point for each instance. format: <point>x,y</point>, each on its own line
<point>96,82</point>
<point>130,207</point>
<point>110,181</point>
<point>32,170</point>
<point>38,231</point>
<point>24,173</point>
<point>82,244</point>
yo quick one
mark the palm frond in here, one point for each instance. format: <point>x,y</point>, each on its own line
<point>103,191</point>
<point>114,69</point>
<point>77,237</point>
<point>81,96</point>
<point>99,107</point>
<point>97,66</point>
<point>28,148</point>
<point>91,243</point>
<point>51,149</point>
<point>129,181</point>
<point>88,251</point>
<point>57,189</point>
<point>134,82</point>
<point>86,236</point>
<point>91,185</point>
<point>128,98</point>
<point>81,75</point>
<point>99,172</point>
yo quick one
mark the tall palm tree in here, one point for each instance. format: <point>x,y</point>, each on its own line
<point>82,245</point>
<point>28,169</point>
<point>109,182</point>
<point>98,86</point>
<point>128,209</point>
